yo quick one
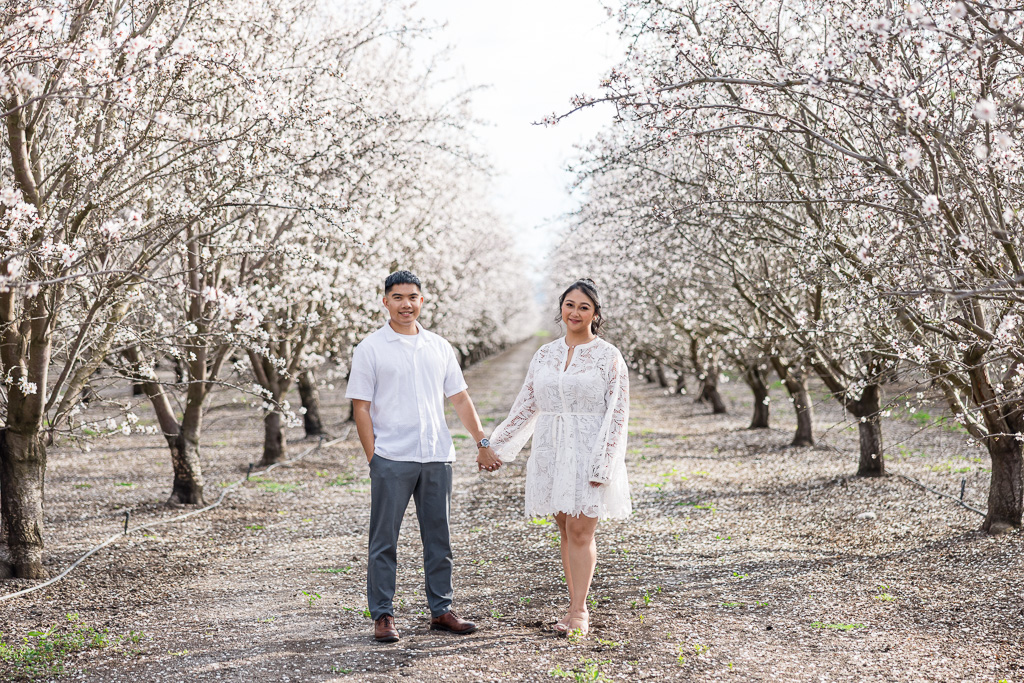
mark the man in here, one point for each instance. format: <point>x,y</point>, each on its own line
<point>400,377</point>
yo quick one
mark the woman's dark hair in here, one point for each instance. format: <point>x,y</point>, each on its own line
<point>588,287</point>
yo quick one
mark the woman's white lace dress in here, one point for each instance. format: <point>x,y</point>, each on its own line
<point>577,417</point>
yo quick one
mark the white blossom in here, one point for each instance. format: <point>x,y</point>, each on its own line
<point>911,157</point>
<point>26,387</point>
<point>985,110</point>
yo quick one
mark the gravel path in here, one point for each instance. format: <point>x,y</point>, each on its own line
<point>744,560</point>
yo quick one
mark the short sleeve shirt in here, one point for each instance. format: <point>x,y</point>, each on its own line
<point>406,378</point>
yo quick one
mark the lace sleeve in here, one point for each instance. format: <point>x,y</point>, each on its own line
<point>512,434</point>
<point>611,445</point>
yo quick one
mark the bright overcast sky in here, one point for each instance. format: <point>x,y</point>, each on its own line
<point>534,55</point>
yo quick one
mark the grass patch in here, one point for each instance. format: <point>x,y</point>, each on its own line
<point>884,595</point>
<point>42,653</point>
<point>334,570</point>
<point>950,469</point>
<point>698,506</point>
<point>837,627</point>
<point>586,670</point>
<point>275,486</point>
<point>926,419</point>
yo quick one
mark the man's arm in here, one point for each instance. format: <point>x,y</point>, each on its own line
<point>364,425</point>
<point>464,408</point>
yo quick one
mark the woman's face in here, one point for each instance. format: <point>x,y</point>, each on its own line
<point>578,312</point>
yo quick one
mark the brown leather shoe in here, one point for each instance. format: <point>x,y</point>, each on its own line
<point>384,630</point>
<point>450,621</point>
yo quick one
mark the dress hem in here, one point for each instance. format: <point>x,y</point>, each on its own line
<point>538,513</point>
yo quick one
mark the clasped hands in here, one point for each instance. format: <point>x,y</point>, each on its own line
<point>486,459</point>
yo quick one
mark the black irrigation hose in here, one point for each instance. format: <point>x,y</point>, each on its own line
<point>944,495</point>
<point>910,479</point>
<point>127,531</point>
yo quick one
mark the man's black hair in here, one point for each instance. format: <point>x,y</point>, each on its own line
<point>401,277</point>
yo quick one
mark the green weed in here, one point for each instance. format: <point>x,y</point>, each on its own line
<point>884,595</point>
<point>837,627</point>
<point>586,670</point>
<point>41,653</point>
<point>275,486</point>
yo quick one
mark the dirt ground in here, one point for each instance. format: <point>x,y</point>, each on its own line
<point>744,560</point>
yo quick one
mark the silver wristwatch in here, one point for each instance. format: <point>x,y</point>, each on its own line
<point>483,443</point>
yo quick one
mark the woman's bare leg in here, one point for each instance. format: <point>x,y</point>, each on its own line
<point>563,545</point>
<point>582,558</point>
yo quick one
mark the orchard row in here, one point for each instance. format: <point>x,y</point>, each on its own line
<point>827,189</point>
<point>219,188</point>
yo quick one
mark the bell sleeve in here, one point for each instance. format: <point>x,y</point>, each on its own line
<point>512,434</point>
<point>611,442</point>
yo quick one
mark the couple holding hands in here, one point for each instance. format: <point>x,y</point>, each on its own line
<point>574,402</point>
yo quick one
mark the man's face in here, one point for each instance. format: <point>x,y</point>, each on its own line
<point>404,303</point>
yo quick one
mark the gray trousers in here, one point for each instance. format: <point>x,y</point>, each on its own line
<point>392,483</point>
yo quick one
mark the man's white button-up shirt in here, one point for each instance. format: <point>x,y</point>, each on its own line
<point>406,378</point>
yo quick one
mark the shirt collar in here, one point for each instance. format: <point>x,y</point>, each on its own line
<point>391,335</point>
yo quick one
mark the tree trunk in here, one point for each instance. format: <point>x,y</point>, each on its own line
<point>646,372</point>
<point>796,384</point>
<point>273,439</point>
<point>868,410</point>
<point>182,437</point>
<point>755,379</point>
<point>709,394</point>
<point>708,381</point>
<point>680,387</point>
<point>1003,420</point>
<point>659,373</point>
<point>804,408</point>
<point>309,393</point>
<point>1005,491</point>
<point>22,472</point>
<point>188,471</point>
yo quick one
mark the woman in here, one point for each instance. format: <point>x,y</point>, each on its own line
<point>575,404</point>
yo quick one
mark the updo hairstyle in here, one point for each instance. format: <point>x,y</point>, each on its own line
<point>587,286</point>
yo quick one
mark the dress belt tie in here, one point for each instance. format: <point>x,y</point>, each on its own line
<point>570,445</point>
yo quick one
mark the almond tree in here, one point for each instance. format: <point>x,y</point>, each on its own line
<point>881,143</point>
